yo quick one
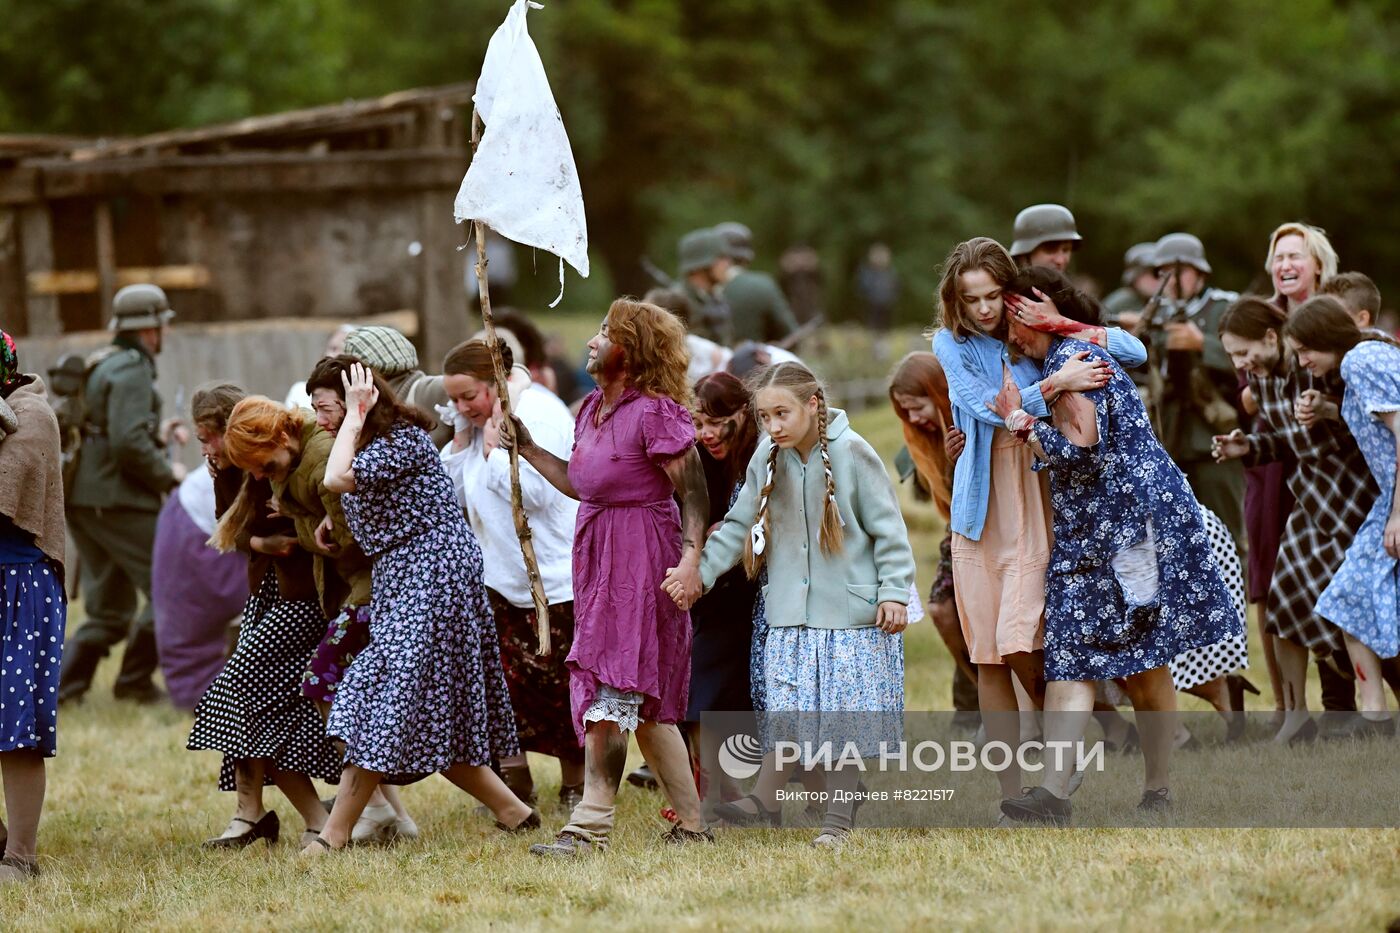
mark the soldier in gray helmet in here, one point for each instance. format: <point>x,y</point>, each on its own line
<point>704,268</point>
<point>758,309</point>
<point>1139,284</point>
<point>1200,386</point>
<point>1044,235</point>
<point>122,475</point>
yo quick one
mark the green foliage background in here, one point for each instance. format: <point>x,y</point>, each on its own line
<point>834,122</point>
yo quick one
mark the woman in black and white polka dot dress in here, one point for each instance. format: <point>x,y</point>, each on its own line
<point>255,712</point>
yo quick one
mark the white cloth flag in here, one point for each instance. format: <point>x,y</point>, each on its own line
<point>522,182</point>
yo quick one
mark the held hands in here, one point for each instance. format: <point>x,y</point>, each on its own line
<point>892,618</point>
<point>179,471</point>
<point>1392,536</point>
<point>360,391</point>
<point>683,584</point>
<point>1312,407</point>
<point>1230,446</point>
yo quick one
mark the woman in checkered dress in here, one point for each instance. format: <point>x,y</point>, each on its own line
<point>1331,484</point>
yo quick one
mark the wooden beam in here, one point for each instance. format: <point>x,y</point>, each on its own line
<point>87,281</point>
<point>106,254</point>
<point>36,248</point>
<point>396,170</point>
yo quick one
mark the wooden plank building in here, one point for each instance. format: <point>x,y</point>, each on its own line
<point>331,213</point>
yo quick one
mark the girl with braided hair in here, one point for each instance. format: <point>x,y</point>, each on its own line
<point>838,582</point>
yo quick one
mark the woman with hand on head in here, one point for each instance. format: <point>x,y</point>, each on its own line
<point>1132,582</point>
<point>1330,486</point>
<point>919,395</point>
<point>427,695</point>
<point>1363,598</point>
<point>254,711</point>
<point>480,471</point>
<point>35,606</point>
<point>1000,508</point>
<point>838,583</point>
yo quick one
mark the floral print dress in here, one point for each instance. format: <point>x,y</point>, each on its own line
<point>428,691</point>
<point>1109,500</point>
<point>1363,598</point>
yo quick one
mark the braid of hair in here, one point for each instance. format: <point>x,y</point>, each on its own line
<point>756,547</point>
<point>239,515</point>
<point>832,535</point>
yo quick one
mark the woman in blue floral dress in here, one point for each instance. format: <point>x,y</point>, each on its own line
<point>1363,599</point>
<point>1132,582</point>
<point>428,693</point>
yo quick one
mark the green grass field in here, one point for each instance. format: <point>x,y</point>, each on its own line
<point>128,807</point>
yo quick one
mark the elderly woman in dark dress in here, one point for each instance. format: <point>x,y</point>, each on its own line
<point>34,607</point>
<point>427,694</point>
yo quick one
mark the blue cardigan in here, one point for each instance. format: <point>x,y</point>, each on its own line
<point>973,366</point>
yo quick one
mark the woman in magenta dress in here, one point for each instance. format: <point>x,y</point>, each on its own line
<point>629,669</point>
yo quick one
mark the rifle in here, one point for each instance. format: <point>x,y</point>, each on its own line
<point>1149,329</point>
<point>658,274</point>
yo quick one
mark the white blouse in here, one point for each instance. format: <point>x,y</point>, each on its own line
<point>483,490</point>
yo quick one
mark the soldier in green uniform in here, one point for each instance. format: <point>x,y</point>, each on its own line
<point>757,306</point>
<point>121,478</point>
<point>1139,284</point>
<point>1044,235</point>
<point>1200,385</point>
<point>704,267</point>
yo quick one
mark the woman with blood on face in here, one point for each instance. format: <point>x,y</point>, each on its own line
<point>723,619</point>
<point>1000,509</point>
<point>1132,581</point>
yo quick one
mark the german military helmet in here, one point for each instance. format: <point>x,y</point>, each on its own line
<point>1040,224</point>
<point>738,240</point>
<point>699,249</point>
<point>1180,248</point>
<point>137,307</point>
<point>1138,259</point>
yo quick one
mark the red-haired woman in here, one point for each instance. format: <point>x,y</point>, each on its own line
<point>919,394</point>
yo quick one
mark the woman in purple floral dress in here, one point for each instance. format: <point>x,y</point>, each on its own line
<point>428,694</point>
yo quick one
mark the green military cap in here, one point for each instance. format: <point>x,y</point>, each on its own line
<point>1180,248</point>
<point>737,239</point>
<point>1040,224</point>
<point>699,249</point>
<point>137,307</point>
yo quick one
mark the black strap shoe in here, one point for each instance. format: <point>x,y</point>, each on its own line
<point>269,827</point>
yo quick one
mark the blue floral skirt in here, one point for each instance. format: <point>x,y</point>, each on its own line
<point>32,617</point>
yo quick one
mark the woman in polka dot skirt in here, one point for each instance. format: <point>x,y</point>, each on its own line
<point>33,608</point>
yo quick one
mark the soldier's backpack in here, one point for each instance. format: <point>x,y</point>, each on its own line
<point>68,379</point>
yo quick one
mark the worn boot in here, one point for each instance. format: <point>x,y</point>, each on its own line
<point>80,660</point>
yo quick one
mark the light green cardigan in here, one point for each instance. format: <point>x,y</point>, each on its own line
<point>805,586</point>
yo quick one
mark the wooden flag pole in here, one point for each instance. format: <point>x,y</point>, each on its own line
<point>517,505</point>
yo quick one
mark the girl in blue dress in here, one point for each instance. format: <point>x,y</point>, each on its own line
<point>1363,599</point>
<point>1132,582</point>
